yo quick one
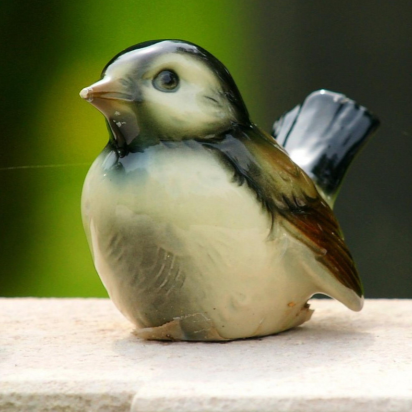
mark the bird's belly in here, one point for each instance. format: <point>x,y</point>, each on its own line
<point>180,241</point>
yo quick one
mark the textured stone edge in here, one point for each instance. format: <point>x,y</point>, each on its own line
<point>63,401</point>
<point>242,402</point>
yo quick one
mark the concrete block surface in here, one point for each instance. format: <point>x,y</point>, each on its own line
<point>82,355</point>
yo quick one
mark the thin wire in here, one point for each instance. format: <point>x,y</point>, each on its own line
<point>43,166</point>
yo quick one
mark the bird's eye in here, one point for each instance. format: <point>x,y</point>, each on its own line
<point>166,81</point>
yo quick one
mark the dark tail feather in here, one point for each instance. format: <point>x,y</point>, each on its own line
<point>323,135</point>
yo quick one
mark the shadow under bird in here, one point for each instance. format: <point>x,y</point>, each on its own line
<point>201,225</point>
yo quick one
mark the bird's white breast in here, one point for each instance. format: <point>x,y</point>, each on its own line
<point>175,237</point>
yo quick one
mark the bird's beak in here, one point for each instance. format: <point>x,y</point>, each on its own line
<point>115,98</point>
<point>108,89</point>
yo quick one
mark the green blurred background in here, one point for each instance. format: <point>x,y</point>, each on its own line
<point>277,51</point>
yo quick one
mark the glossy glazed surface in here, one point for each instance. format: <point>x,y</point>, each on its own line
<point>323,135</point>
<point>174,238</point>
<point>200,225</point>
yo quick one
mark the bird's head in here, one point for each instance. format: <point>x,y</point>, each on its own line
<point>166,90</point>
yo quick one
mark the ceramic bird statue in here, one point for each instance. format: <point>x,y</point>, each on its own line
<point>200,225</point>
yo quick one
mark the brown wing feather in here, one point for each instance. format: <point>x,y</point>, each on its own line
<point>319,230</point>
<point>285,189</point>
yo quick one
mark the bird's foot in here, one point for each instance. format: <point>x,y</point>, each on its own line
<point>194,327</point>
<point>299,317</point>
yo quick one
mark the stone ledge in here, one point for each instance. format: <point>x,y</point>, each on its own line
<point>81,355</point>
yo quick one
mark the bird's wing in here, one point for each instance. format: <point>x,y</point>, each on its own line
<point>290,195</point>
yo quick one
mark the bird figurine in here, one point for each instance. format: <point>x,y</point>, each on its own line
<point>201,226</point>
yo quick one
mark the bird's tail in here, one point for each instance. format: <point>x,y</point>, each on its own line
<point>323,135</point>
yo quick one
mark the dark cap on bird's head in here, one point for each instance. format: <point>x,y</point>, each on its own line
<point>166,90</point>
